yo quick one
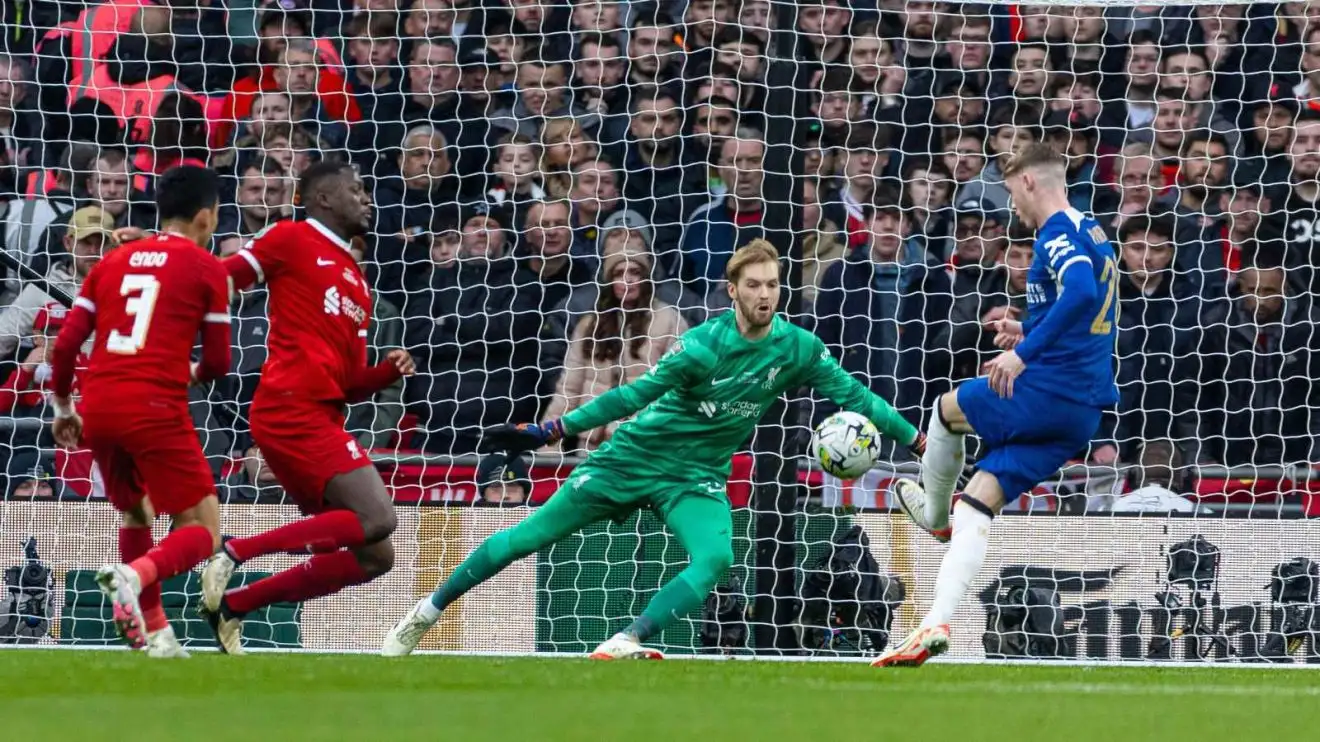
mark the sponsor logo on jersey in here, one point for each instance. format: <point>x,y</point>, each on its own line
<point>708,408</point>
<point>354,450</point>
<point>770,378</point>
<point>331,303</point>
<point>1059,247</point>
<point>348,276</point>
<point>1035,294</point>
<point>336,303</point>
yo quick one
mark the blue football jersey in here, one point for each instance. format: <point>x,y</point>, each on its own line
<point>1079,364</point>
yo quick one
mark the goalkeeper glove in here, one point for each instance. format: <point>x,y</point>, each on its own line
<point>515,439</point>
<point>918,446</point>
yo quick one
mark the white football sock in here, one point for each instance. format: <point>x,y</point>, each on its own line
<point>941,466</point>
<point>427,610</point>
<point>971,536</point>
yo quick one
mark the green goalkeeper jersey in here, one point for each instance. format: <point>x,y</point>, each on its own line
<point>703,399</point>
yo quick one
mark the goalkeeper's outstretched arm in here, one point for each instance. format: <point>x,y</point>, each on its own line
<point>681,367</point>
<point>826,376</point>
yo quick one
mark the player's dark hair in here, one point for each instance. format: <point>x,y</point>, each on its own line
<point>1163,225</point>
<point>317,173</point>
<point>184,191</point>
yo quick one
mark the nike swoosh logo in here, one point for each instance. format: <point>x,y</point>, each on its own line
<point>725,380</point>
<point>322,262</point>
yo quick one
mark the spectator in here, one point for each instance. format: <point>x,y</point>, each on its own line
<point>1188,71</point>
<point>1130,97</point>
<point>714,120</point>
<point>375,422</point>
<point>406,197</point>
<point>473,334</point>
<point>1140,190</point>
<point>90,232</point>
<point>824,245</point>
<point>929,189</point>
<point>543,93</point>
<point>1082,33</point>
<point>598,75</point>
<point>1029,73</point>
<point>1297,219</point>
<point>651,50</point>
<point>1174,119</point>
<point>1251,354</point>
<point>884,312</point>
<point>716,230</point>
<point>1266,144</point>
<point>265,196</point>
<point>317,93</point>
<point>865,159</point>
<point>374,76</point>
<point>963,154</point>
<point>596,203</point>
<point>503,480</point>
<point>965,29</point>
<point>22,145</point>
<point>618,342</point>
<point>821,36</point>
<point>1242,208</point>
<point>24,392</point>
<point>1001,292</point>
<point>1155,324</point>
<point>547,241</point>
<point>1155,483</point>
<point>516,175</point>
<point>1010,131</point>
<point>564,143</point>
<point>252,481</point>
<point>658,181</point>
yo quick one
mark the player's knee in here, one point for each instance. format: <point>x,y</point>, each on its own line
<point>378,524</point>
<point>715,562</point>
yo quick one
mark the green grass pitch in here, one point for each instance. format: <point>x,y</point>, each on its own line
<point>63,695</point>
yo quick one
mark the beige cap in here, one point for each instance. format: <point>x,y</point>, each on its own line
<point>91,220</point>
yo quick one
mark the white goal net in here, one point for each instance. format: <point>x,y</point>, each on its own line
<point>558,187</point>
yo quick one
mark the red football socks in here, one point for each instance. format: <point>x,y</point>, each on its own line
<point>323,574</point>
<point>319,534</point>
<point>134,543</point>
<point>177,553</point>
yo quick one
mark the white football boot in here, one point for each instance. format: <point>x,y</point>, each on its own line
<point>912,499</point>
<point>215,580</point>
<point>920,646</point>
<point>121,586</point>
<point>164,644</point>
<point>408,632</point>
<point>624,647</point>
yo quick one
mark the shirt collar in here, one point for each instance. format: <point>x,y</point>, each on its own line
<point>329,235</point>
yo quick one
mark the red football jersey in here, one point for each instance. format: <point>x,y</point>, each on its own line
<point>150,299</point>
<point>319,308</point>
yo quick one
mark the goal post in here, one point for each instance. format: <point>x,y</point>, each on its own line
<point>557,188</point>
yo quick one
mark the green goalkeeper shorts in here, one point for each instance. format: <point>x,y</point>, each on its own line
<point>617,495</point>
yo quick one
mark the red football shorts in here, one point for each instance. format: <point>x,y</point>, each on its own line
<point>156,455</point>
<point>305,445</point>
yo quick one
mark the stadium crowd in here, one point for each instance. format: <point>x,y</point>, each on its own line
<point>559,183</point>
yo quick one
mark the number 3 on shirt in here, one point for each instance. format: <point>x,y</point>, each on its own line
<point>139,308</point>
<point>1100,325</point>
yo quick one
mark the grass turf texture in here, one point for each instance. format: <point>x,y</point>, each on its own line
<point>61,695</point>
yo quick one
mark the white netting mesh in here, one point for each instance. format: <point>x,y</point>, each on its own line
<point>557,189</point>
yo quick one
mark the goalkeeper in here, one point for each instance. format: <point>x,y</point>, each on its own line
<point>705,396</point>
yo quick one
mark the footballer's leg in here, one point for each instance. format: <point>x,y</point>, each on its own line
<point>118,583</point>
<point>980,502</point>
<point>704,527</point>
<point>363,521</point>
<point>566,512</point>
<point>941,465</point>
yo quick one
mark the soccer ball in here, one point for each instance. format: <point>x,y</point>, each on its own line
<point>846,445</point>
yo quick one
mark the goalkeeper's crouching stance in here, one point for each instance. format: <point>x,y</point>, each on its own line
<point>694,409</point>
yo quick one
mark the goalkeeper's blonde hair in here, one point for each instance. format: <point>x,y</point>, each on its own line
<point>755,252</point>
